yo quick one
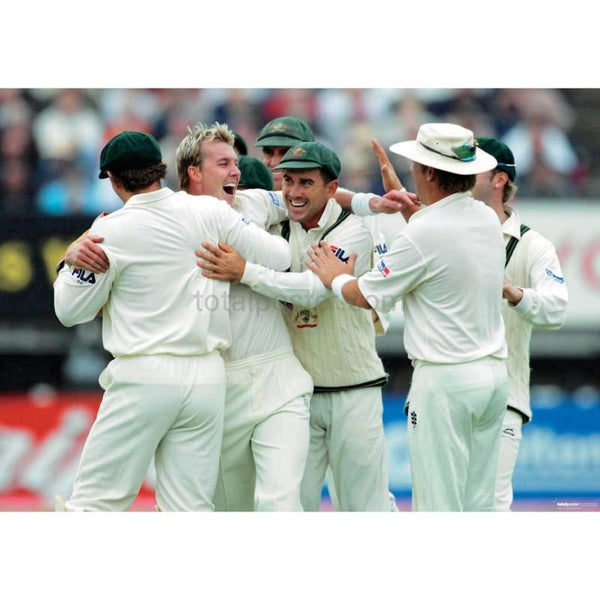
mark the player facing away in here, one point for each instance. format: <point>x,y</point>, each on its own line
<point>447,266</point>
<point>165,327</point>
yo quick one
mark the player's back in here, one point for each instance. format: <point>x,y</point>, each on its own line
<point>160,302</point>
<point>460,242</point>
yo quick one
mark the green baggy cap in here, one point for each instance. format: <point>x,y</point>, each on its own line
<point>284,131</point>
<point>255,174</point>
<point>129,150</point>
<point>501,152</point>
<point>311,155</point>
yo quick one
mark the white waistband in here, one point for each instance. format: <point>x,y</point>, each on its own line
<point>259,359</point>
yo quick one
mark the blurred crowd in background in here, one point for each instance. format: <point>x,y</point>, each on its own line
<point>50,139</point>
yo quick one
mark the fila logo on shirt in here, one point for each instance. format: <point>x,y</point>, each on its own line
<point>340,253</point>
<point>383,268</point>
<point>381,248</point>
<point>82,276</point>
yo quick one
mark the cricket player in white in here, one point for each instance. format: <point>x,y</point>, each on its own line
<point>534,295</point>
<point>334,342</point>
<point>266,430</point>
<point>166,327</point>
<point>446,265</point>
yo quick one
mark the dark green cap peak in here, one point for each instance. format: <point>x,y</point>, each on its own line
<point>129,150</point>
<point>311,155</point>
<point>501,152</point>
<point>284,131</point>
<point>255,174</point>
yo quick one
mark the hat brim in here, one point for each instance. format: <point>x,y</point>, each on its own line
<point>275,140</point>
<point>297,164</point>
<point>416,152</point>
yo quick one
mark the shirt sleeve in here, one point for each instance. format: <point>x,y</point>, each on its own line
<point>253,243</point>
<point>303,288</point>
<point>544,301</point>
<point>306,288</point>
<point>267,208</point>
<point>396,273</point>
<point>79,295</point>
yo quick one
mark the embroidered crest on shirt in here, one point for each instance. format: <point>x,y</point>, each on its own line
<point>383,268</point>
<point>83,276</point>
<point>274,199</point>
<point>554,276</point>
<point>305,319</point>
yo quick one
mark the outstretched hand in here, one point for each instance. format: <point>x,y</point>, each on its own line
<point>222,262</point>
<point>325,264</point>
<point>407,203</point>
<point>390,179</point>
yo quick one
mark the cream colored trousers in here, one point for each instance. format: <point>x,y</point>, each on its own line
<point>510,441</point>
<point>164,407</point>
<point>455,415</point>
<point>346,434</point>
<point>266,433</point>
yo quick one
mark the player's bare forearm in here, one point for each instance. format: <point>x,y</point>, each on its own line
<point>222,262</point>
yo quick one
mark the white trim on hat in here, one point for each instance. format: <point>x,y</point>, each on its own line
<point>434,148</point>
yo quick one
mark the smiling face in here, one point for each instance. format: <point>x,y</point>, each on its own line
<point>306,194</point>
<point>219,174</point>
<point>271,157</point>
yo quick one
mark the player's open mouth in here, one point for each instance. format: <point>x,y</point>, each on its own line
<point>229,189</point>
<point>298,203</point>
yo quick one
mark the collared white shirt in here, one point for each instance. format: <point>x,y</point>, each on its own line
<point>302,286</point>
<point>447,266</point>
<point>545,296</point>
<point>154,298</point>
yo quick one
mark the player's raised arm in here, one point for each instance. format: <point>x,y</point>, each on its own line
<point>389,177</point>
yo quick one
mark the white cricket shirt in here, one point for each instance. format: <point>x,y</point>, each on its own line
<point>257,325</point>
<point>335,342</point>
<point>447,267</point>
<point>154,298</point>
<point>535,268</point>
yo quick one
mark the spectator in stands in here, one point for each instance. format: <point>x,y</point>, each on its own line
<point>548,162</point>
<point>68,129</point>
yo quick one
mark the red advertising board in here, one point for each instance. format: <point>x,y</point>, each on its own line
<point>41,439</point>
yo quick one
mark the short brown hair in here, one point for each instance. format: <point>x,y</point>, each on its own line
<point>453,183</point>
<point>134,180</point>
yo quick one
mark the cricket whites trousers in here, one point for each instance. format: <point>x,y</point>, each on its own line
<point>346,434</point>
<point>455,414</point>
<point>162,407</point>
<point>266,433</point>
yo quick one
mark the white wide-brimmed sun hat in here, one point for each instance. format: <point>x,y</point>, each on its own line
<point>447,147</point>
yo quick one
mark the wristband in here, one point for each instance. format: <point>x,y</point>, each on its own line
<point>360,204</point>
<point>338,283</point>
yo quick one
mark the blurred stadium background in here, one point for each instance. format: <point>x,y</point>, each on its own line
<point>49,192</point>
